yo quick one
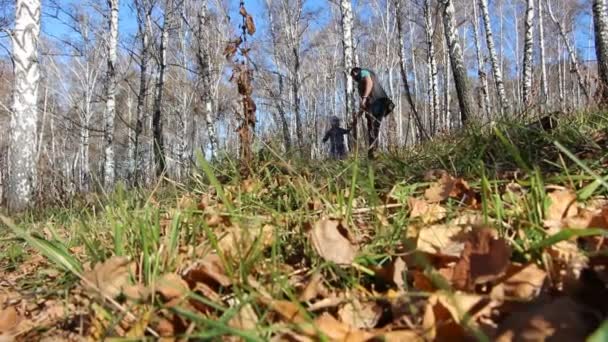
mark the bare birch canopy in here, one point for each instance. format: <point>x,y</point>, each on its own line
<point>125,91</point>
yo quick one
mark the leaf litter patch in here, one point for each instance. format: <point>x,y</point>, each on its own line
<point>456,272</point>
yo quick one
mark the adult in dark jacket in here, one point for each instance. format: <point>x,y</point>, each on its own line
<point>374,101</point>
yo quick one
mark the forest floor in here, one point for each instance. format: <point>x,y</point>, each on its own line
<point>490,234</point>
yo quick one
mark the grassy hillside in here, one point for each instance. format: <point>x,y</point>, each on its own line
<point>495,231</point>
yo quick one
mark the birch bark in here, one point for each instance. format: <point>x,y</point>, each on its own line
<point>109,170</point>
<point>204,64</point>
<point>457,62</point>
<point>528,47</point>
<point>484,102</point>
<point>496,68</point>
<point>600,23</point>
<point>22,142</point>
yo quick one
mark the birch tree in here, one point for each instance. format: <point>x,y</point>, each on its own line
<point>600,23</point>
<point>144,13</point>
<point>571,50</point>
<point>528,47</point>
<point>543,65</point>
<point>109,167</point>
<point>457,62</point>
<point>433,83</point>
<point>496,66</point>
<point>484,101</point>
<point>403,68</point>
<point>346,11</point>
<point>157,115</point>
<point>22,146</point>
<point>204,61</point>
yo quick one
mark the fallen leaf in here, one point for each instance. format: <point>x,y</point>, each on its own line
<point>393,273</point>
<point>364,315</point>
<point>428,213</point>
<point>444,313</point>
<point>450,187</point>
<point>330,239</point>
<point>485,258</point>
<point>313,288</point>
<point>563,205</point>
<point>442,239</point>
<point>172,286</point>
<point>588,219</point>
<point>335,330</point>
<point>521,282</point>
<point>289,311</point>
<point>9,320</point>
<point>109,277</point>
<point>399,336</point>
<point>562,319</point>
<point>208,270</point>
<point>239,241</point>
<point>136,292</point>
<point>245,319</point>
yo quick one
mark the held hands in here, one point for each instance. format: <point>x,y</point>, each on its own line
<point>364,102</point>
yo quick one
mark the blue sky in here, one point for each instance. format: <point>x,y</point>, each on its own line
<point>127,21</point>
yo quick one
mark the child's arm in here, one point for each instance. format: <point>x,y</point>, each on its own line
<point>326,136</point>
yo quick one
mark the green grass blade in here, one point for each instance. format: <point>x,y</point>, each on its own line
<point>568,234</point>
<point>601,334</point>
<point>54,252</point>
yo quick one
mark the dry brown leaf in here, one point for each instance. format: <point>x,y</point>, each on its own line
<point>209,271</point>
<point>445,311</point>
<point>314,288</point>
<point>563,205</point>
<point>330,239</point>
<point>393,273</point>
<point>245,319</point>
<point>288,311</point>
<point>238,241</point>
<point>109,277</point>
<point>521,282</point>
<point>359,315</point>
<point>136,292</point>
<point>485,258</point>
<point>450,187</point>
<point>172,286</point>
<point>9,320</point>
<point>250,24</point>
<point>335,330</point>
<point>428,213</point>
<point>588,219</point>
<point>290,336</point>
<point>442,239</point>
<point>400,336</point>
<point>560,320</point>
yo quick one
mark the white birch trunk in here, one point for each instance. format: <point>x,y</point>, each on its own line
<point>22,146</point>
<point>484,102</point>
<point>157,116</point>
<point>600,23</point>
<point>457,62</point>
<point>346,11</point>
<point>528,48</point>
<point>109,168</point>
<point>543,65</point>
<point>571,50</point>
<point>431,65</point>
<point>204,64</point>
<point>496,67</point>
